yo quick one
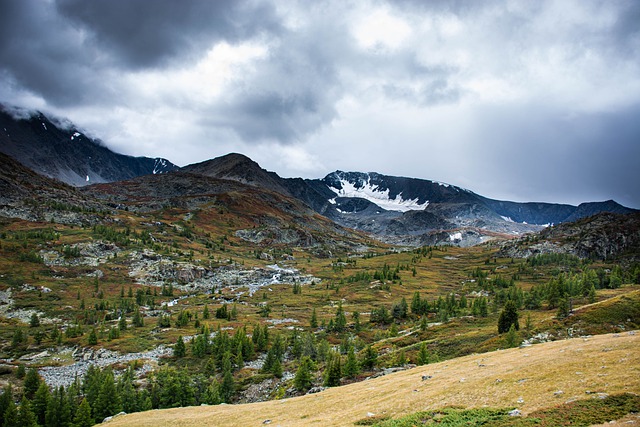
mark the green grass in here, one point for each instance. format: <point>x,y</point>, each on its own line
<point>581,413</point>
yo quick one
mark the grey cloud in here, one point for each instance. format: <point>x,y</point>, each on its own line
<point>144,34</point>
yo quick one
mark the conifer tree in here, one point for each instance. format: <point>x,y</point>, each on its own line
<point>93,337</point>
<point>108,401</point>
<point>508,317</point>
<point>333,370</point>
<point>351,365</point>
<point>25,415</point>
<point>10,415</point>
<point>179,349</point>
<point>303,379</point>
<point>340,322</point>
<point>227,387</point>
<point>423,354</point>
<point>314,319</point>
<point>83,416</point>
<point>369,358</point>
<point>40,401</point>
<point>6,400</point>
<point>31,383</point>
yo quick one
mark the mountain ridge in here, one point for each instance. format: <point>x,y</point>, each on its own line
<point>57,149</point>
<point>395,209</point>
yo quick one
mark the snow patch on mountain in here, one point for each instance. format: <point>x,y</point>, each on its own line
<point>381,198</point>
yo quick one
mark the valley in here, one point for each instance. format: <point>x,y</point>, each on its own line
<point>251,298</point>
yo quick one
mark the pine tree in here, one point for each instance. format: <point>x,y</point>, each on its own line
<point>40,401</point>
<point>31,382</point>
<point>303,379</point>
<point>508,317</point>
<point>83,416</point>
<point>592,294</point>
<point>227,387</point>
<point>93,337</point>
<point>351,365</point>
<point>10,416</point>
<point>25,415</point>
<point>179,349</point>
<point>423,354</point>
<point>340,323</point>
<point>314,319</point>
<point>205,313</point>
<point>356,321</point>
<point>369,358</point>
<point>333,370</point>
<point>108,401</point>
<point>6,400</point>
<point>512,339</point>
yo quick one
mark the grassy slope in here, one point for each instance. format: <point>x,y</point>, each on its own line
<point>599,364</point>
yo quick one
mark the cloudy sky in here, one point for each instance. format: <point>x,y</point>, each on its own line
<point>518,100</point>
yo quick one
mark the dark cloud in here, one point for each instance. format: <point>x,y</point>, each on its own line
<point>521,100</point>
<point>140,33</point>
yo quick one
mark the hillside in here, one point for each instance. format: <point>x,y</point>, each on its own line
<point>543,376</point>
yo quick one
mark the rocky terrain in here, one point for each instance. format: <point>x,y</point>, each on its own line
<point>602,236</point>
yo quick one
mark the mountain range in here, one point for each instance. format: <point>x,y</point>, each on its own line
<point>397,210</point>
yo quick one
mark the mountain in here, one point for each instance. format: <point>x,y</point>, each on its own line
<point>605,235</point>
<point>58,149</point>
<point>240,168</point>
<point>420,212</point>
<point>397,210</point>
<point>257,215</point>
<point>30,196</point>
<point>403,210</point>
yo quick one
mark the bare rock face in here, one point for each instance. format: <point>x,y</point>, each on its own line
<point>602,236</point>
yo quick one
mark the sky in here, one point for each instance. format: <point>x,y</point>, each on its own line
<point>514,100</point>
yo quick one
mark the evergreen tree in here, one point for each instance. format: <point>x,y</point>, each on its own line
<point>25,415</point>
<point>6,400</point>
<point>423,323</point>
<point>416,304</point>
<point>340,323</point>
<point>303,379</point>
<point>508,317</point>
<point>10,415</point>
<point>122,323</point>
<point>227,387</point>
<point>512,339</point>
<point>179,350</point>
<point>333,370</point>
<point>40,401</point>
<point>34,321</point>
<point>108,401</point>
<point>31,383</point>
<point>205,313</point>
<point>212,394</point>
<point>138,320</point>
<point>423,354</point>
<point>563,308</point>
<point>58,412</point>
<point>356,321</point>
<point>369,358</point>
<point>592,294</point>
<point>351,365</point>
<point>83,416</point>
<point>314,319</point>
<point>93,337</point>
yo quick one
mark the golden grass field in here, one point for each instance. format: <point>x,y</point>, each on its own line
<point>539,376</point>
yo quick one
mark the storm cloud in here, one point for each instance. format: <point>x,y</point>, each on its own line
<point>528,101</point>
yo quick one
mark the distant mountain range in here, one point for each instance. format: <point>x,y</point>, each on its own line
<point>60,150</point>
<point>394,209</point>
